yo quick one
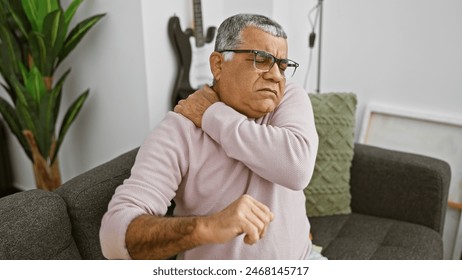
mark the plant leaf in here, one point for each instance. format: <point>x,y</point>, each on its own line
<point>69,118</point>
<point>10,54</point>
<point>30,111</point>
<point>50,6</point>
<point>76,34</point>
<point>17,14</point>
<point>23,109</point>
<point>10,57</point>
<point>70,12</point>
<point>37,10</point>
<point>54,31</point>
<point>11,118</point>
<point>23,71</point>
<point>25,114</point>
<point>35,85</point>
<point>31,10</point>
<point>38,51</point>
<point>9,91</point>
<point>8,88</point>
<point>32,108</point>
<point>45,128</point>
<point>57,94</point>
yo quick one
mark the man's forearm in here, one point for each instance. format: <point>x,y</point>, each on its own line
<point>153,237</point>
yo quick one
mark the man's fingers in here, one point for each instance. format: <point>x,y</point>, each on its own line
<point>251,233</point>
<point>245,216</point>
<point>256,221</point>
<point>210,94</point>
<point>194,106</point>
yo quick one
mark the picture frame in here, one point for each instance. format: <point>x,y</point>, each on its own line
<point>429,134</point>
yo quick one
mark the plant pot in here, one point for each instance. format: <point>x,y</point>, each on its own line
<point>47,177</point>
<point>47,174</point>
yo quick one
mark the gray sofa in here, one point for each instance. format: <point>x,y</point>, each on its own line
<point>398,203</point>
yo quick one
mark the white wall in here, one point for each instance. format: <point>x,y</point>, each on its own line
<point>395,52</point>
<point>406,53</point>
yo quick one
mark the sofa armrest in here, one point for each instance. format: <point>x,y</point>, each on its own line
<point>399,185</point>
<point>87,197</point>
<point>36,226</point>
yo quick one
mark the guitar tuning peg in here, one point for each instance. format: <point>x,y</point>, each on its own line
<point>189,32</point>
<point>210,34</point>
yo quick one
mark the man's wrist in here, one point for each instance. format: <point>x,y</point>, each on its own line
<point>203,234</point>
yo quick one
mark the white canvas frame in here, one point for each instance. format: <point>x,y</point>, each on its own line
<point>423,133</point>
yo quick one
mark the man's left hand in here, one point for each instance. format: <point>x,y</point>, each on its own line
<point>195,105</point>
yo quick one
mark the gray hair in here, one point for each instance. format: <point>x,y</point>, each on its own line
<point>229,32</point>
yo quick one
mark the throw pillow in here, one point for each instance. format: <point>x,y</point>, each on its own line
<point>328,192</point>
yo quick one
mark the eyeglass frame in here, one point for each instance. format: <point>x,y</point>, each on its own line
<point>276,60</point>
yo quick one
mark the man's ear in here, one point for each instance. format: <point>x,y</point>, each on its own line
<point>216,64</point>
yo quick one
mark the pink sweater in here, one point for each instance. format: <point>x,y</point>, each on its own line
<point>204,170</point>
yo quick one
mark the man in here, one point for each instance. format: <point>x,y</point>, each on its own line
<point>235,158</point>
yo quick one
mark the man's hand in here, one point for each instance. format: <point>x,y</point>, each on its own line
<point>244,216</point>
<point>195,105</point>
<point>153,237</point>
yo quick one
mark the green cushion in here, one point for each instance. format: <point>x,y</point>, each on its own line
<point>328,192</point>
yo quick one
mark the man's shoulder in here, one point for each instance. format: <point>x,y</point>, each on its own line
<point>176,120</point>
<point>174,124</point>
<point>174,130</point>
<point>295,99</point>
<point>294,89</point>
<point>294,93</point>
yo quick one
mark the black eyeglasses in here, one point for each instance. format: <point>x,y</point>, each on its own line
<point>264,61</point>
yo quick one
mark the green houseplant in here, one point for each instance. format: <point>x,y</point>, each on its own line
<point>35,37</point>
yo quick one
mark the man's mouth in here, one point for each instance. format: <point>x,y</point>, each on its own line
<point>270,90</point>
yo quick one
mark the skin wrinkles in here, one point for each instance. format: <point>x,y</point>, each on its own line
<point>239,85</point>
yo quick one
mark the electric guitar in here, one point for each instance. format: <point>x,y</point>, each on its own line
<point>192,52</point>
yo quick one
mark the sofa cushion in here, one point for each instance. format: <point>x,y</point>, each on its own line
<point>328,192</point>
<point>35,225</point>
<point>362,237</point>
<point>88,196</point>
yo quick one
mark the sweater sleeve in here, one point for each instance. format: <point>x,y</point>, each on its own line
<point>280,147</point>
<point>155,176</point>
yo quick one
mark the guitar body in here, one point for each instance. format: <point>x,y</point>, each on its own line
<point>181,45</point>
<point>199,72</point>
<point>192,54</point>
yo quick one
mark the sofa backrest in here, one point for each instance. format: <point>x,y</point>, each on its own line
<point>87,197</point>
<point>34,224</point>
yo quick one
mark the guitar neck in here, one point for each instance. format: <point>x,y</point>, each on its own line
<point>198,27</point>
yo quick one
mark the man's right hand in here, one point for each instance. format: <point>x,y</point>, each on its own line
<point>244,216</point>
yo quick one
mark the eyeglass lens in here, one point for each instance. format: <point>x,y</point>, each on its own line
<point>265,61</point>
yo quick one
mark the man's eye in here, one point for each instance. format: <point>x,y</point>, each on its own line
<point>283,66</point>
<point>260,60</point>
<point>262,57</point>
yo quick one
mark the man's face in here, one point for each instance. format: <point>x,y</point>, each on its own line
<point>249,91</point>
